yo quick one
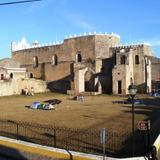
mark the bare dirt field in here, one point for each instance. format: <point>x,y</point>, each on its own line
<point>94,112</point>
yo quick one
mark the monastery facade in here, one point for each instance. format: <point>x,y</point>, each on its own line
<point>89,63</point>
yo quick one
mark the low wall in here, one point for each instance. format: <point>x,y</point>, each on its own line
<point>14,87</point>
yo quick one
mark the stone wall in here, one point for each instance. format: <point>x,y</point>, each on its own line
<point>13,87</point>
<point>155,72</point>
<point>63,64</point>
<point>155,62</point>
<point>103,44</point>
<point>66,55</point>
<point>129,70</point>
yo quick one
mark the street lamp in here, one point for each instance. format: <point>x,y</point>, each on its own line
<point>132,92</point>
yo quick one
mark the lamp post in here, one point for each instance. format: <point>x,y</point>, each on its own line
<point>132,92</point>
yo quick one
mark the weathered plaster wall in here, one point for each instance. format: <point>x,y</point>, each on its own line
<point>15,86</point>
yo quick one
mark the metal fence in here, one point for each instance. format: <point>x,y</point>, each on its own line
<point>82,140</point>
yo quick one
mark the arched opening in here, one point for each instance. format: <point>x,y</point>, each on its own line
<point>35,61</point>
<point>123,60</point>
<point>2,76</point>
<point>131,80</point>
<point>136,59</point>
<point>54,60</point>
<point>31,75</point>
<point>89,81</point>
<point>11,75</point>
<point>78,57</point>
<point>119,87</point>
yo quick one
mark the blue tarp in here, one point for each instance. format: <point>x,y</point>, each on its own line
<point>39,105</point>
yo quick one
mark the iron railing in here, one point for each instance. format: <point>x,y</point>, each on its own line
<point>117,144</point>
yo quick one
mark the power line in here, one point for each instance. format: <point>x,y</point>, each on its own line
<point>17,2</point>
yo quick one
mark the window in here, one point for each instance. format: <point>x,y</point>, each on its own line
<point>136,59</point>
<point>78,57</point>
<point>131,80</point>
<point>2,76</point>
<point>11,75</point>
<point>54,60</point>
<point>35,61</point>
<point>123,60</point>
<point>31,75</point>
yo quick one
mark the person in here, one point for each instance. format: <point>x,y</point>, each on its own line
<point>80,98</point>
<point>26,91</point>
<point>32,91</point>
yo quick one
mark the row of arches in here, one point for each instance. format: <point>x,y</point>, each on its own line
<point>123,59</point>
<point>54,60</point>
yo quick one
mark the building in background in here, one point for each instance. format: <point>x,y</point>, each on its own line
<point>14,79</point>
<point>96,63</point>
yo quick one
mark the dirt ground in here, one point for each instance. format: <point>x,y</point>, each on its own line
<point>95,112</point>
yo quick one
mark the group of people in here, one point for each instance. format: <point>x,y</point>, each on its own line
<point>27,92</point>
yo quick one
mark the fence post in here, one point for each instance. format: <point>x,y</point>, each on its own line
<point>55,138</point>
<point>103,140</point>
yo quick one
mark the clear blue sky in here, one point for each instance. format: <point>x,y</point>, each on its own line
<point>51,20</point>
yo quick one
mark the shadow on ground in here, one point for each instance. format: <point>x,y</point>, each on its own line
<point>10,153</point>
<point>150,108</point>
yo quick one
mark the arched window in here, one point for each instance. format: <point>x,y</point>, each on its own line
<point>131,80</point>
<point>31,75</point>
<point>11,75</point>
<point>35,61</point>
<point>136,59</point>
<point>123,60</point>
<point>2,76</point>
<point>78,57</point>
<point>54,60</point>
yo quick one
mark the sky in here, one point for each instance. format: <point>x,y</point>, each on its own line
<point>47,21</point>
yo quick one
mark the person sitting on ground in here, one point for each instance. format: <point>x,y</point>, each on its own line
<point>32,91</point>
<point>26,91</point>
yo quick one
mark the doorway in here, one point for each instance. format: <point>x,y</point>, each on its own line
<point>89,81</point>
<point>119,87</point>
<point>2,76</point>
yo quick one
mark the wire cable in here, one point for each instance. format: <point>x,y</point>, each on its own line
<point>17,2</point>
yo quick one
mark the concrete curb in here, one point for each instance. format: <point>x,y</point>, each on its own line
<point>46,151</point>
<point>53,152</point>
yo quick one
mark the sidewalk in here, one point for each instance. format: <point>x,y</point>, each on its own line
<point>158,154</point>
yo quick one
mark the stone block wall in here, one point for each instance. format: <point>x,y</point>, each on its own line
<point>103,44</point>
<point>14,87</point>
<point>138,71</point>
<point>155,62</point>
<point>98,52</point>
<point>155,72</point>
<point>66,55</point>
